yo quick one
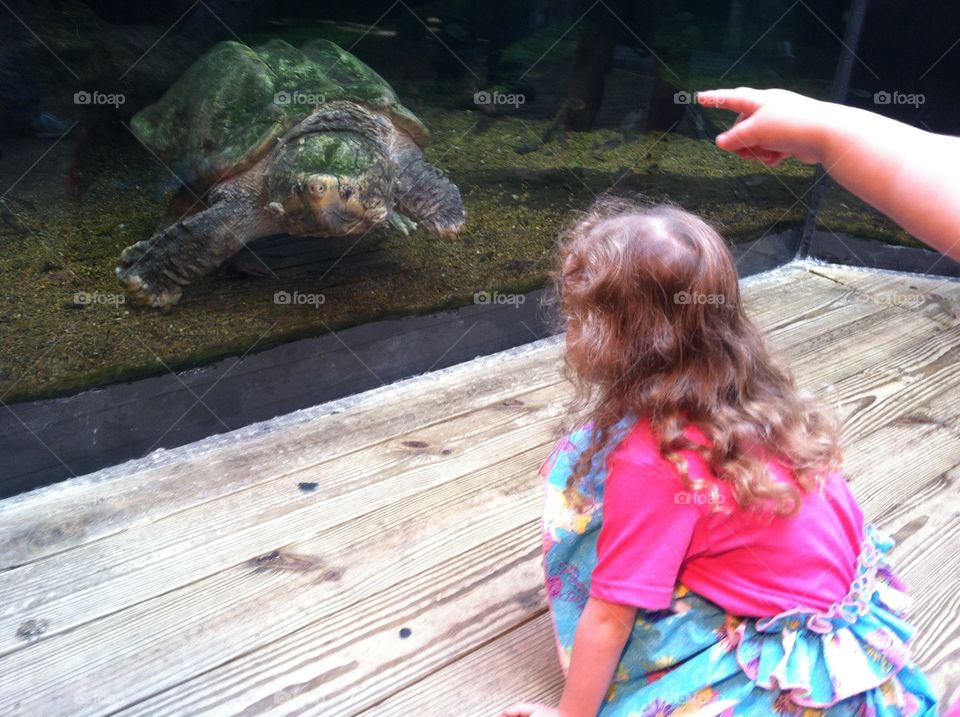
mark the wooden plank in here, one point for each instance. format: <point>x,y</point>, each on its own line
<point>82,585</point>
<point>937,298</point>
<point>88,583</point>
<point>859,322</point>
<point>822,356</point>
<point>928,530</point>
<point>160,643</point>
<point>65,516</point>
<point>520,666</point>
<point>357,657</point>
<point>887,467</point>
<point>905,476</point>
<point>249,679</point>
<point>868,280</point>
<point>871,399</point>
<point>914,375</point>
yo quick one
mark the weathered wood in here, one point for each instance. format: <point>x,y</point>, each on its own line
<point>89,582</point>
<point>216,584</point>
<point>62,517</point>
<point>521,666</point>
<point>928,531</point>
<point>70,514</point>
<point>310,652</point>
<point>357,657</point>
<point>159,644</point>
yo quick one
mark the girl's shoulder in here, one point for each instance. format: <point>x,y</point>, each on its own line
<point>638,461</point>
<point>640,445</point>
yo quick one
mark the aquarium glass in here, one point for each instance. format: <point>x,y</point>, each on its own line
<point>529,109</point>
<point>905,66</point>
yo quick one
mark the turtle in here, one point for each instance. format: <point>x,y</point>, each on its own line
<point>275,139</point>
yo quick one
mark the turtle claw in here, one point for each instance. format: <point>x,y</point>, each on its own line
<point>403,224</point>
<point>134,253</point>
<point>143,293</point>
<point>141,290</point>
<point>448,228</point>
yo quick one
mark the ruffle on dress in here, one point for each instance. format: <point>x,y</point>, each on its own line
<point>695,660</point>
<point>821,658</point>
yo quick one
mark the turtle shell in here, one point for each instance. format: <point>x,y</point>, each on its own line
<point>233,103</point>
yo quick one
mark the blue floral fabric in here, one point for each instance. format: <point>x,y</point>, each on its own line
<point>695,659</point>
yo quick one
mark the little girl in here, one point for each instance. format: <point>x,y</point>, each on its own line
<point>703,555</point>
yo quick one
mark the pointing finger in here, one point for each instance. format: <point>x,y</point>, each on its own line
<point>742,99</point>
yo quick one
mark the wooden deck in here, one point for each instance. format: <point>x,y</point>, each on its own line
<point>380,555</point>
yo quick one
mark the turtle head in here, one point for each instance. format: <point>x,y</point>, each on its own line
<point>342,205</point>
<point>331,184</point>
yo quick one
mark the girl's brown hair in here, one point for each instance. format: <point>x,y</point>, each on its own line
<point>656,330</point>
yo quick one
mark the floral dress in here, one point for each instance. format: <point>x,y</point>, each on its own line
<point>696,659</point>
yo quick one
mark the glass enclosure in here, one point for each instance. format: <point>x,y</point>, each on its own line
<point>112,134</point>
<point>904,66</point>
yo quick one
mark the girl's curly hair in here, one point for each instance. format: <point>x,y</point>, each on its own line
<point>656,329</point>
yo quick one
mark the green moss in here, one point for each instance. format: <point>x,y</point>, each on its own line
<point>517,204</point>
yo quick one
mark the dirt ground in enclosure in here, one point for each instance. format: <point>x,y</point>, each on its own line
<point>64,328</point>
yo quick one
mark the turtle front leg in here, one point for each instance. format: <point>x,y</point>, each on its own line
<point>426,195</point>
<point>154,271</point>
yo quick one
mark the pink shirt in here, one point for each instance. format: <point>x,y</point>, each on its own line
<point>655,532</point>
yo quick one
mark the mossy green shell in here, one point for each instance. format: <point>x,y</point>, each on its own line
<point>231,105</point>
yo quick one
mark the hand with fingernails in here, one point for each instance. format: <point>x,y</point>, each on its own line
<point>907,173</point>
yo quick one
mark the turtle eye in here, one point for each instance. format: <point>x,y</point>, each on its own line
<point>346,193</point>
